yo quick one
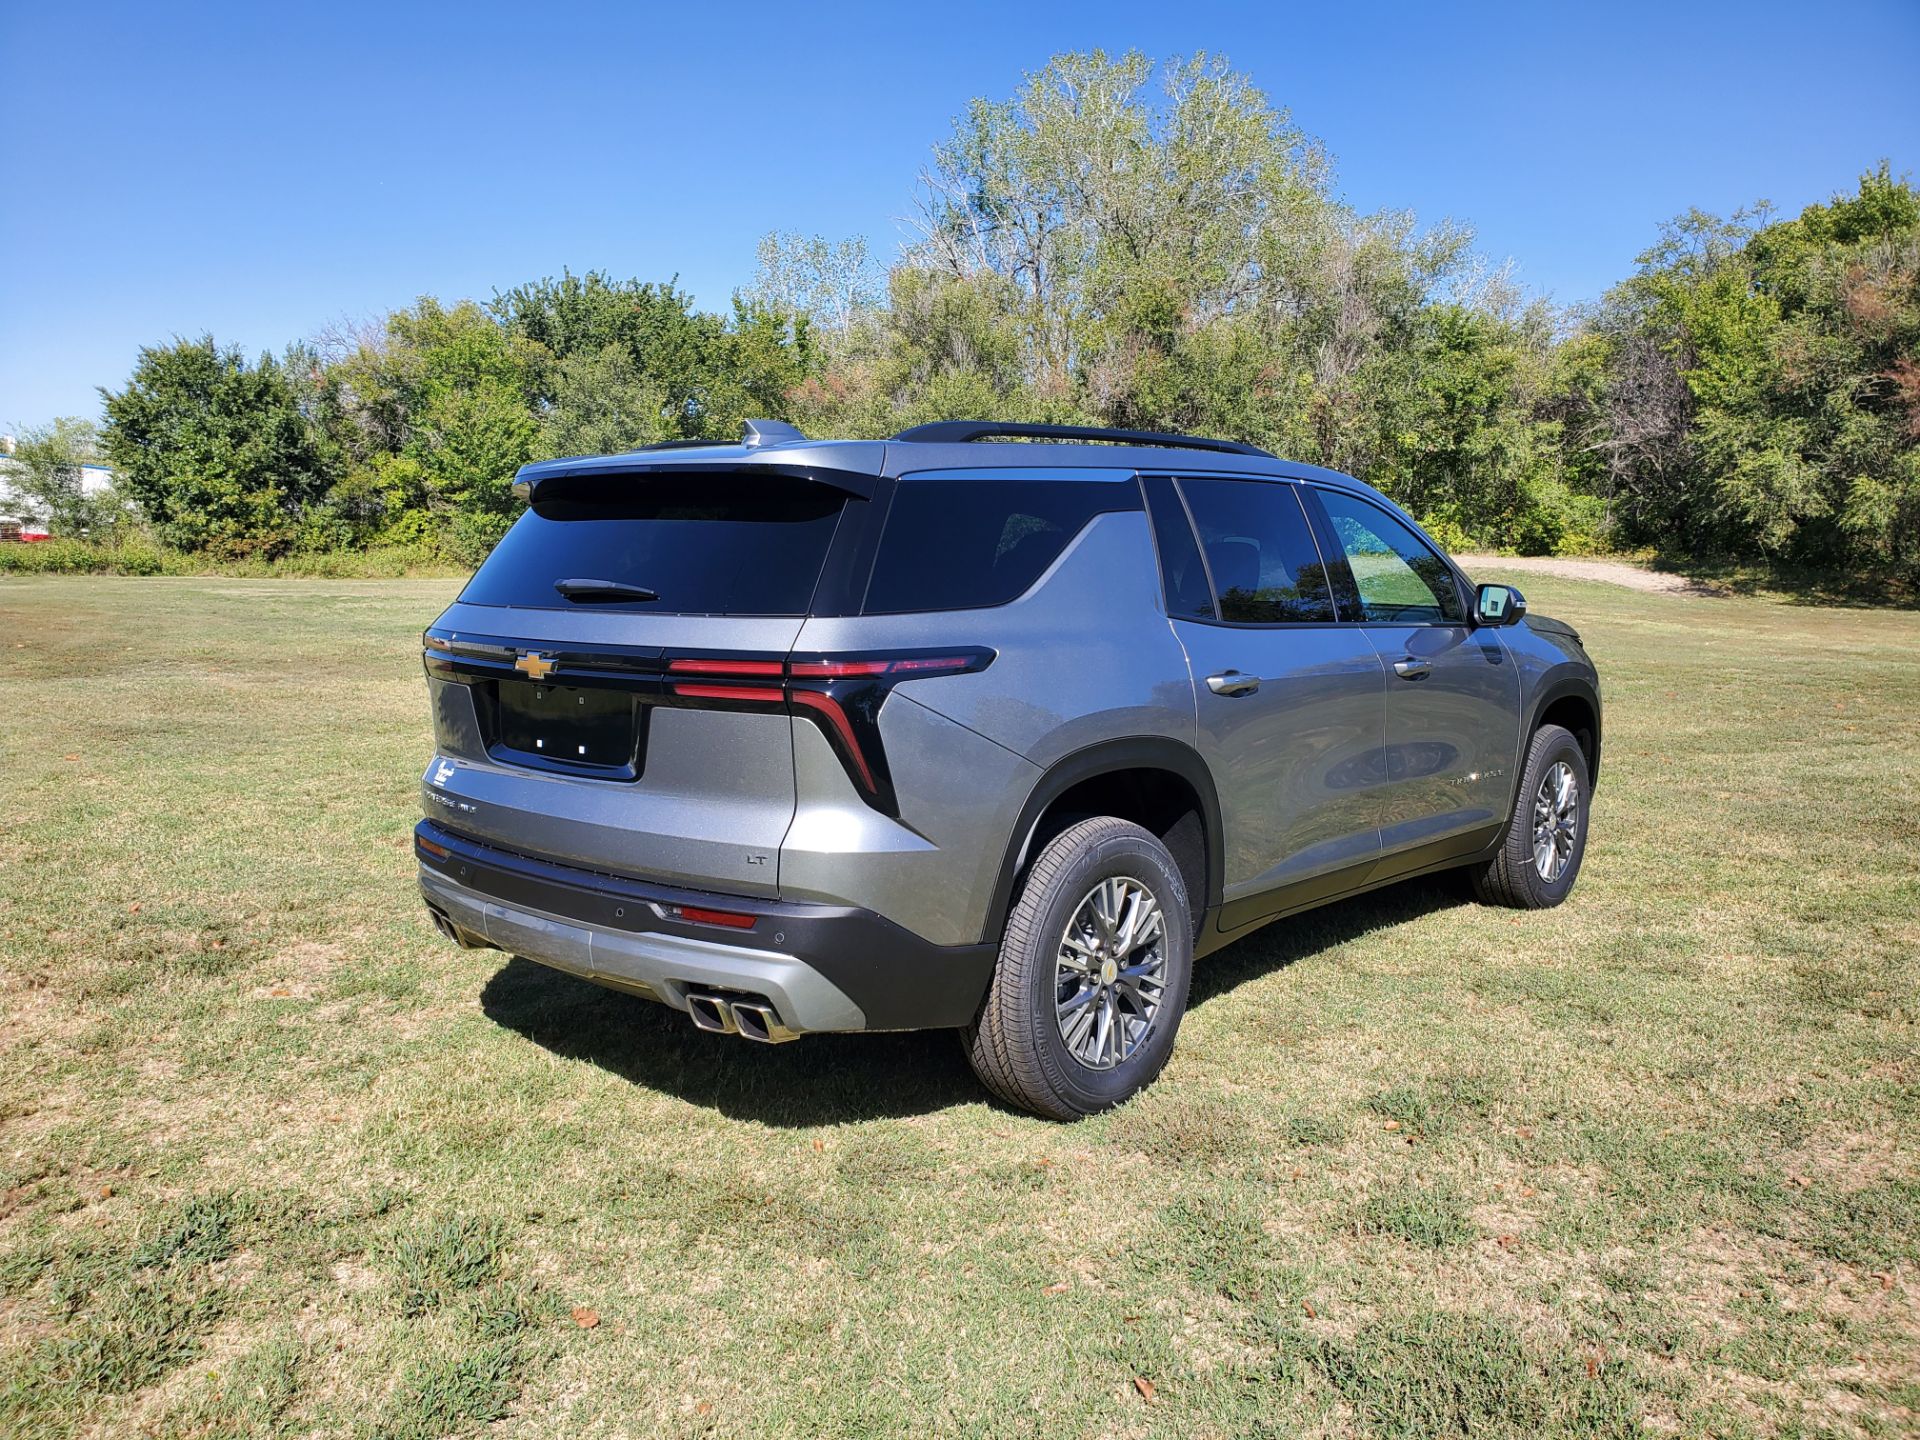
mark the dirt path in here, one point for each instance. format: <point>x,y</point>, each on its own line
<point>1611,572</point>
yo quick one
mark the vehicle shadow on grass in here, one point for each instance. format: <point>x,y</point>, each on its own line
<point>1302,936</point>
<point>833,1079</point>
<point>818,1080</point>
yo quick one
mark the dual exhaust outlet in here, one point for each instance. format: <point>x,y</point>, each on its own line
<point>754,1019</point>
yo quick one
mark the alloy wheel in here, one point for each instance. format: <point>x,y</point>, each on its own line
<point>1556,821</point>
<point>1110,973</point>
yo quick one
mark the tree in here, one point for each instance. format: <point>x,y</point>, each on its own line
<point>45,473</point>
<point>215,451</point>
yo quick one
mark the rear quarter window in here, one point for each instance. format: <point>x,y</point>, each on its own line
<point>966,544</point>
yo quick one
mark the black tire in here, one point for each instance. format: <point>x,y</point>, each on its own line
<point>1511,877</point>
<point>1016,1044</point>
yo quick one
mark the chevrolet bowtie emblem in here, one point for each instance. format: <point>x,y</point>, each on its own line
<point>533,665</point>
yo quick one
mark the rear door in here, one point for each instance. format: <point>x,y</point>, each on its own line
<point>648,737</point>
<point>1290,703</point>
<point>1453,697</point>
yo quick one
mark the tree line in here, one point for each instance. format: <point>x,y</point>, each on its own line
<point>1120,243</point>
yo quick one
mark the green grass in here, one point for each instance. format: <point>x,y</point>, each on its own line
<point>274,1159</point>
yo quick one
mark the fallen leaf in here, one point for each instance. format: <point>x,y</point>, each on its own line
<point>1507,1242</point>
<point>819,1144</point>
<point>1527,1192</point>
<point>69,757</point>
<point>1391,1125</point>
<point>1144,1386</point>
<point>705,1407</point>
<point>134,909</point>
<point>1886,1282</point>
<point>585,1318</point>
<point>280,990</point>
<point>1060,1289</point>
<point>106,1192</point>
<point>1593,1366</point>
<point>1307,1305</point>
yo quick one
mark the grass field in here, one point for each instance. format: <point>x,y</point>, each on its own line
<point>275,1159</point>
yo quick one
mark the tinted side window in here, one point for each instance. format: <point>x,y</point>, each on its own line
<point>707,544</point>
<point>1266,569</point>
<point>1400,578</point>
<point>1185,578</point>
<point>966,544</point>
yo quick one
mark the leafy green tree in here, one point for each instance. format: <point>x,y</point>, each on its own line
<point>1758,394</point>
<point>216,451</point>
<point>45,471</point>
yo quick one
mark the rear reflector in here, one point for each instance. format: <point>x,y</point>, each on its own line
<point>439,852</point>
<point>699,916</point>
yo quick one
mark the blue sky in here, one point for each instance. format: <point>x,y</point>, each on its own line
<point>259,170</point>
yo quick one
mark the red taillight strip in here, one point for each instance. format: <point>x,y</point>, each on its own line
<point>830,710</point>
<point>837,669</point>
<point>752,694</point>
<point>767,668</point>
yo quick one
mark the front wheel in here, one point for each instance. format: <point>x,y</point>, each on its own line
<point>1092,978</point>
<point>1546,838</point>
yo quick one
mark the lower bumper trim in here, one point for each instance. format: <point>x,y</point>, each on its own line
<point>822,967</point>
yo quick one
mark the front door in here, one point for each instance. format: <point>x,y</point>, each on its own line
<point>1453,693</point>
<point>1290,704</point>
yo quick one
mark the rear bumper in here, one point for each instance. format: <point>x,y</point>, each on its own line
<point>821,967</point>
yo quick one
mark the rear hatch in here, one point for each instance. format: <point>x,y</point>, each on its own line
<point>607,688</point>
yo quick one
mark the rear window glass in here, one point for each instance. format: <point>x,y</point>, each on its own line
<point>968,544</point>
<point>710,544</point>
<point>1266,568</point>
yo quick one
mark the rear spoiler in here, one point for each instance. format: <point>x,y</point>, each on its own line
<point>532,479</point>
<point>850,467</point>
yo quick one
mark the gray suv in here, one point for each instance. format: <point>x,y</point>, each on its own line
<point>945,730</point>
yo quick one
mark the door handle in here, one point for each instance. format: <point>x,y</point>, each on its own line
<point>1232,682</point>
<point>1412,669</point>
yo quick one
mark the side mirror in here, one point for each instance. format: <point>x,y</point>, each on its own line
<point>1498,605</point>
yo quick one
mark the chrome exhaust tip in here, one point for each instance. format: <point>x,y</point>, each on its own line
<point>710,1012</point>
<point>762,1023</point>
<point>464,939</point>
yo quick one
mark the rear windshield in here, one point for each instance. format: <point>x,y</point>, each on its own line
<point>967,544</point>
<point>724,543</point>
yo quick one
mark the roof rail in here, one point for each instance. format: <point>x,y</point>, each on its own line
<point>960,432</point>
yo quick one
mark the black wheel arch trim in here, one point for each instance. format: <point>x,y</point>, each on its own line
<point>1138,752</point>
<point>1563,684</point>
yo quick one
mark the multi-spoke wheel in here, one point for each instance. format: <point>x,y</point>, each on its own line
<point>1556,820</point>
<point>1540,851</point>
<point>1093,973</point>
<point>1111,973</point>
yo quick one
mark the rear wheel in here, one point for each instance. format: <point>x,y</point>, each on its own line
<point>1546,837</point>
<point>1092,978</point>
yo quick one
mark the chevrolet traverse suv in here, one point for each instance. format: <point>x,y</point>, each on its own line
<point>945,730</point>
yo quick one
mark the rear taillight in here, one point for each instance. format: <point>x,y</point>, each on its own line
<point>842,694</point>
